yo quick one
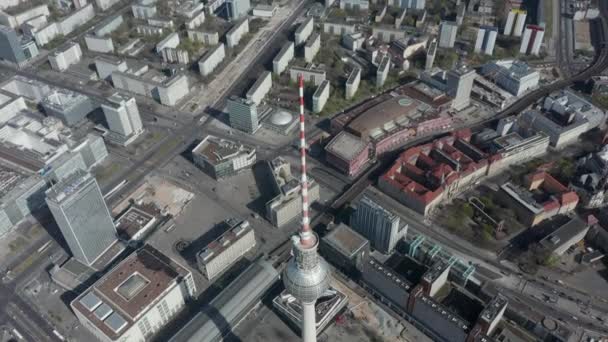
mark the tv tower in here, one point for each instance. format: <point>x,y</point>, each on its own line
<point>306,276</point>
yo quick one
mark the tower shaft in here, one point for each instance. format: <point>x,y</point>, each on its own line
<point>306,235</point>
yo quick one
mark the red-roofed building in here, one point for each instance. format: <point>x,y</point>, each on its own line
<point>424,175</point>
<point>543,198</point>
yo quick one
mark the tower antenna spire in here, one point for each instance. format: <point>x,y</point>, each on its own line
<point>306,276</point>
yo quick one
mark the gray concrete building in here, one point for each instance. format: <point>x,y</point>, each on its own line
<point>430,55</point>
<point>382,227</point>
<point>243,114</point>
<point>226,250</point>
<point>10,46</point>
<point>320,96</point>
<point>237,8</point>
<point>310,74</point>
<point>345,248</point>
<point>80,211</point>
<point>282,59</point>
<point>459,85</point>
<point>222,158</point>
<point>564,237</point>
<point>67,106</point>
<point>286,206</point>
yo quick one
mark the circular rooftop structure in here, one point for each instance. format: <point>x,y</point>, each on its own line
<point>405,101</point>
<point>281,118</point>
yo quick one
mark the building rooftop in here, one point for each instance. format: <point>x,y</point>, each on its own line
<point>216,150</point>
<point>345,240</point>
<point>346,146</point>
<point>116,300</point>
<point>422,172</point>
<point>63,100</point>
<point>514,69</point>
<point>228,238</point>
<point>406,267</point>
<point>66,187</point>
<point>395,109</point>
<point>136,218</point>
<point>313,38</point>
<point>9,179</point>
<point>493,308</point>
<point>564,233</point>
<point>321,88</point>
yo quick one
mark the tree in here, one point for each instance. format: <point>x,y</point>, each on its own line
<point>446,59</point>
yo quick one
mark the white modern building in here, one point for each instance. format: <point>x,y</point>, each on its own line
<point>122,116</point>
<point>105,66</point>
<point>260,88</point>
<point>136,298</point>
<point>304,31</point>
<point>151,83</point>
<point>233,37</point>
<point>320,96</point>
<point>222,158</point>
<point>514,76</point>
<point>352,83</point>
<point>361,5</point>
<point>486,39</point>
<point>282,59</point>
<point>144,9</point>
<point>105,4</point>
<point>459,86</point>
<point>213,58</point>
<point>62,58</point>
<point>207,38</point>
<point>226,250</point>
<point>311,74</point>
<point>171,41</point>
<point>382,71</point>
<point>447,34</point>
<point>516,19</point>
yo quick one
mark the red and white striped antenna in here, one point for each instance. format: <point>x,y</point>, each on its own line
<point>307,238</point>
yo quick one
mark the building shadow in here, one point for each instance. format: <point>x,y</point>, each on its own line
<point>262,174</point>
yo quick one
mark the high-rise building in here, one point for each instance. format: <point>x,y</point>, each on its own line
<point>237,8</point>
<point>379,225</point>
<point>459,85</point>
<point>10,46</point>
<point>532,40</point>
<point>79,209</point>
<point>243,114</point>
<point>447,34</point>
<point>122,115</point>
<point>486,38</point>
